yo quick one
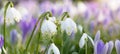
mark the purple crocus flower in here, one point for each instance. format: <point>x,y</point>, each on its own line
<point>27,26</point>
<point>117,46</point>
<point>1,41</point>
<point>13,35</point>
<point>97,36</point>
<point>101,48</point>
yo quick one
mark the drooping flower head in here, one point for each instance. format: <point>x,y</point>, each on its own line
<point>69,26</point>
<point>12,15</point>
<point>83,39</point>
<point>48,28</point>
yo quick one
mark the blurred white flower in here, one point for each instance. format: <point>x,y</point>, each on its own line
<point>82,8</point>
<point>80,28</point>
<point>83,39</point>
<point>23,11</point>
<point>48,28</point>
<point>101,17</point>
<point>113,4</point>
<point>69,26</point>
<point>53,49</point>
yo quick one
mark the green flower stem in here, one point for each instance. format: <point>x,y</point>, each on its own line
<point>4,26</point>
<point>64,15</point>
<point>48,14</point>
<point>42,16</point>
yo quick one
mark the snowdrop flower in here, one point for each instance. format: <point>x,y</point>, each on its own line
<point>83,40</point>
<point>80,28</point>
<point>68,26</point>
<point>14,14</point>
<point>117,46</point>
<point>101,48</point>
<point>54,49</point>
<point>48,28</point>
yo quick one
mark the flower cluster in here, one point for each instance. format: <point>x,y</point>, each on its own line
<point>64,27</point>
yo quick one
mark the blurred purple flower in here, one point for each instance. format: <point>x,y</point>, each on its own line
<point>117,46</point>
<point>58,8</point>
<point>45,6</point>
<point>30,5</point>
<point>72,36</point>
<point>101,48</point>
<point>1,41</point>
<point>92,26</point>
<point>13,35</point>
<point>26,27</point>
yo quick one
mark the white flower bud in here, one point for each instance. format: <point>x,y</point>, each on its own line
<point>68,26</point>
<point>83,39</point>
<point>54,49</point>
